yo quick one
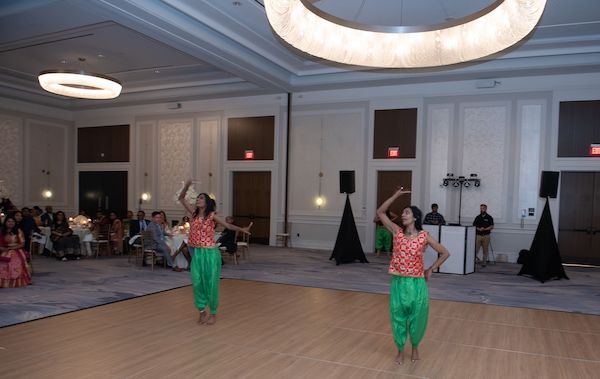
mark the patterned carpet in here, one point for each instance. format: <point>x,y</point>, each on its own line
<point>61,287</point>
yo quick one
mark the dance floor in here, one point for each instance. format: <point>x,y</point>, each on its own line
<point>267,330</point>
<point>61,287</point>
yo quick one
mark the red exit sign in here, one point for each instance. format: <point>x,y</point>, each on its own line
<point>393,152</point>
<point>248,154</point>
<point>595,150</point>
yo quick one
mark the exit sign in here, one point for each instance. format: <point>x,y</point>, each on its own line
<point>595,150</point>
<point>393,152</point>
<point>248,154</point>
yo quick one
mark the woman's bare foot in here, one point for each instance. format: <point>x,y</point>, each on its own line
<point>211,320</point>
<point>415,355</point>
<point>400,358</point>
<point>202,317</point>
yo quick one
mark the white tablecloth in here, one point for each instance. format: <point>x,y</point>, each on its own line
<point>174,242</point>
<point>85,237</point>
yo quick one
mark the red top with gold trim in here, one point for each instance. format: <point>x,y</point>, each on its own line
<point>202,231</point>
<point>407,259</point>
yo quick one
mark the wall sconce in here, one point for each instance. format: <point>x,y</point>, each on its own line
<point>320,200</point>
<point>145,196</point>
<point>47,192</point>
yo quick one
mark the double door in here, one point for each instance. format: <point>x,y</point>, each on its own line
<point>579,222</point>
<point>252,203</point>
<point>103,190</point>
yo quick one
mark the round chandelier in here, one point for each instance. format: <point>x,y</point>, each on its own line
<point>318,33</point>
<point>80,84</point>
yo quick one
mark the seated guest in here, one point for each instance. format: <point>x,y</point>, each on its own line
<point>14,270</point>
<point>116,233</point>
<point>136,226</point>
<point>433,217</point>
<point>157,242</point>
<point>165,223</point>
<point>65,244</point>
<point>48,217</point>
<point>27,225</point>
<point>227,238</point>
<point>127,221</point>
<point>37,215</point>
<point>101,217</point>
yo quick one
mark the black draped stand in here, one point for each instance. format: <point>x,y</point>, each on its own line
<point>543,260</point>
<point>348,248</point>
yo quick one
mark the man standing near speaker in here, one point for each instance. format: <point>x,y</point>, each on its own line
<point>484,223</point>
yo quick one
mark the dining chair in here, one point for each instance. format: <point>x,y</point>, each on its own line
<point>101,237</point>
<point>243,243</point>
<point>148,251</point>
<point>285,237</point>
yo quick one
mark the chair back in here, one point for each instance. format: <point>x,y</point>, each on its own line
<point>243,237</point>
<point>146,240</point>
<point>103,232</point>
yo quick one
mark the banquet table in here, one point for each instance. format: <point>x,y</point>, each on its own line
<point>85,239</point>
<point>174,242</point>
<point>84,234</point>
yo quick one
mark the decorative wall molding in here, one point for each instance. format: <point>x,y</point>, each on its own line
<point>175,158</point>
<point>485,129</point>
<point>11,157</point>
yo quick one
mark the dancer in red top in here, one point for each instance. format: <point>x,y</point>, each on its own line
<point>205,269</point>
<point>409,297</point>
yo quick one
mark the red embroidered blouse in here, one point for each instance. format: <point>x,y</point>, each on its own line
<point>407,259</point>
<point>202,231</point>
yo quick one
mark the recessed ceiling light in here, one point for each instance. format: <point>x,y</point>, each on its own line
<point>100,56</point>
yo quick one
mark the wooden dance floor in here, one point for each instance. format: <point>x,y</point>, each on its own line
<point>280,331</point>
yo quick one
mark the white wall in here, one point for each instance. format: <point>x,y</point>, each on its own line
<point>506,135</point>
<point>37,154</point>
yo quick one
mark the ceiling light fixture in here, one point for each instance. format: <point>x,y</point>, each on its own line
<point>80,84</point>
<point>318,33</point>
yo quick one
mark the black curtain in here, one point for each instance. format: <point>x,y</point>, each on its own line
<point>348,248</point>
<point>543,260</point>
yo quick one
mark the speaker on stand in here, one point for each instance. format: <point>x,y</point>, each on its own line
<point>347,182</point>
<point>549,184</point>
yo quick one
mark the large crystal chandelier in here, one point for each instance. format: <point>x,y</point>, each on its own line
<point>493,29</point>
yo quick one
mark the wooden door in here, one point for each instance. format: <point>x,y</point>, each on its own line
<point>579,220</point>
<point>387,182</point>
<point>106,190</point>
<point>252,203</point>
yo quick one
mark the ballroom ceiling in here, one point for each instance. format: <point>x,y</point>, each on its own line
<point>176,50</point>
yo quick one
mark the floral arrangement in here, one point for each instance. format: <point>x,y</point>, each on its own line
<point>190,196</point>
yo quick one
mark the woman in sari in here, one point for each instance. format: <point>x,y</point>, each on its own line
<point>14,270</point>
<point>116,233</point>
<point>65,243</point>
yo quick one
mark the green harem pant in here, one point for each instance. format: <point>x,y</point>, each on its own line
<point>205,271</point>
<point>383,239</point>
<point>409,309</point>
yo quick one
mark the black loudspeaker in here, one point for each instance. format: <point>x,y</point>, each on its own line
<point>346,181</point>
<point>549,184</point>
